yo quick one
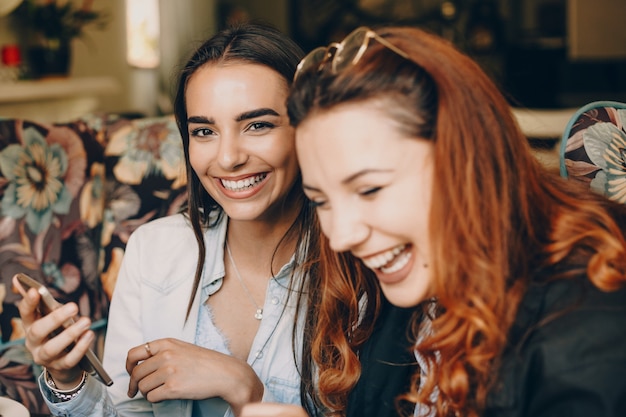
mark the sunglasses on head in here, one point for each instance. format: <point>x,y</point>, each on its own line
<point>347,52</point>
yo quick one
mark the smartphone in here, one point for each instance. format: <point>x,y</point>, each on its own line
<point>90,361</point>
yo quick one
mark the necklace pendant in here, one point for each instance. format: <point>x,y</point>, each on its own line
<point>259,314</point>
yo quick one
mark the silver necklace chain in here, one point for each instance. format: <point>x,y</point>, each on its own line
<point>259,311</point>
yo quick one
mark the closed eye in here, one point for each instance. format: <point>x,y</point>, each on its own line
<point>370,191</point>
<point>315,202</point>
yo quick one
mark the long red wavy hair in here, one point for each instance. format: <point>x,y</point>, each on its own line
<point>497,217</point>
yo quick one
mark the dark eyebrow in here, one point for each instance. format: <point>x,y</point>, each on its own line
<point>351,178</point>
<point>200,120</point>
<point>256,113</point>
<point>243,116</point>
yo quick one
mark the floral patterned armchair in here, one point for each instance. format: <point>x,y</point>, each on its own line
<point>70,196</point>
<point>593,148</point>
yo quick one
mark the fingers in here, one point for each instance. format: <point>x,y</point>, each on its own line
<point>168,368</point>
<point>27,307</point>
<point>152,386</point>
<point>18,286</point>
<point>59,352</point>
<point>144,378</point>
<point>141,353</point>
<point>47,346</point>
<point>136,356</point>
<point>39,330</point>
<point>68,347</point>
<point>272,410</point>
<point>56,340</point>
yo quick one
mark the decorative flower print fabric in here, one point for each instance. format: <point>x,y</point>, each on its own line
<point>44,175</point>
<point>70,196</point>
<point>595,150</point>
<point>35,173</point>
<point>146,179</point>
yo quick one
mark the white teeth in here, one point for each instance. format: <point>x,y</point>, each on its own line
<point>382,259</point>
<point>401,261</point>
<point>243,184</point>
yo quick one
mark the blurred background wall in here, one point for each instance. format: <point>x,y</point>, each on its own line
<point>524,44</point>
<point>183,24</point>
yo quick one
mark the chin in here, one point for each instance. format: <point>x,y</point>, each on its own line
<point>403,297</point>
<point>245,209</point>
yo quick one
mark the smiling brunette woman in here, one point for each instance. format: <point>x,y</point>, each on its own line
<point>205,307</point>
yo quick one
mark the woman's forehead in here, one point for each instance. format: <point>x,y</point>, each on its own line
<point>243,87</point>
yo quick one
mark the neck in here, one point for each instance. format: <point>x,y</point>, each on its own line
<point>257,242</point>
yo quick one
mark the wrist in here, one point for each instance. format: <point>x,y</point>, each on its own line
<point>64,393</point>
<point>64,380</point>
<point>250,389</point>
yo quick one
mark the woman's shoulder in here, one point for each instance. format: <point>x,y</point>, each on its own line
<point>175,226</point>
<point>171,235</point>
<point>567,352</point>
<point>579,292</point>
<point>561,299</point>
<point>161,235</point>
<point>572,322</point>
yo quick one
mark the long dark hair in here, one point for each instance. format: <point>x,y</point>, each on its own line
<point>255,43</point>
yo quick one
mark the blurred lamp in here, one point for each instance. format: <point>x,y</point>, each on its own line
<point>142,33</point>
<point>7,6</point>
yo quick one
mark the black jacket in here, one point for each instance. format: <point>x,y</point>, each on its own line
<point>566,357</point>
<point>387,365</point>
<point>567,354</point>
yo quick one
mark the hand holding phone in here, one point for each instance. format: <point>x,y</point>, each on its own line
<point>90,362</point>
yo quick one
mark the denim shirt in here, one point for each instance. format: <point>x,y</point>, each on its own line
<point>271,355</point>
<point>149,303</point>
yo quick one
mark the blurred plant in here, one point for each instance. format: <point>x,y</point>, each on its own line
<point>61,20</point>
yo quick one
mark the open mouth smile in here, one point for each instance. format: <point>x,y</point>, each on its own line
<point>243,185</point>
<point>390,261</point>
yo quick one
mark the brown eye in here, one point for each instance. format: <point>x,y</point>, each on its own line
<point>260,126</point>
<point>201,132</point>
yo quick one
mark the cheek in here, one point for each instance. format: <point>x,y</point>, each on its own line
<point>396,215</point>
<point>196,159</point>
<point>324,217</point>
<point>286,159</point>
<point>416,224</point>
<point>290,161</point>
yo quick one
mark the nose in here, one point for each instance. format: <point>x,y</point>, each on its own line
<point>231,155</point>
<point>345,229</point>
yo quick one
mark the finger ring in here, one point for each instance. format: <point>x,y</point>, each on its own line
<point>147,347</point>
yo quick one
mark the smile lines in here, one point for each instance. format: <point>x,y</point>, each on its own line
<point>242,185</point>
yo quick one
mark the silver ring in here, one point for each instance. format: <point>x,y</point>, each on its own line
<point>147,348</point>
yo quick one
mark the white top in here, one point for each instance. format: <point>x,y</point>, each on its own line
<point>150,302</point>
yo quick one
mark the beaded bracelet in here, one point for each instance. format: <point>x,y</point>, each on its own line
<point>64,395</point>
